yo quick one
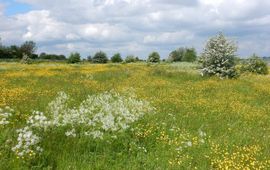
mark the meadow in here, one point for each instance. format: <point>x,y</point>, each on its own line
<point>185,121</point>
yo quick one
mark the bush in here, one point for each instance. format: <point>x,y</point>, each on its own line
<point>218,58</point>
<point>100,57</point>
<point>116,58</point>
<point>130,59</point>
<point>255,65</point>
<point>74,58</point>
<point>154,57</point>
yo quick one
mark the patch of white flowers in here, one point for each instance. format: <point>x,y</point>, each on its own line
<point>27,143</point>
<point>99,114</point>
<point>5,114</point>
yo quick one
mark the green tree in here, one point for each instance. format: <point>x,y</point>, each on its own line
<point>154,57</point>
<point>28,48</point>
<point>74,58</point>
<point>190,55</point>
<point>116,58</point>
<point>130,59</point>
<point>177,55</point>
<point>100,57</point>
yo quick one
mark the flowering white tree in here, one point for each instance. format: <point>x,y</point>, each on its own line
<point>218,57</point>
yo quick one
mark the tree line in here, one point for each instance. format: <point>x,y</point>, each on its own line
<point>29,49</point>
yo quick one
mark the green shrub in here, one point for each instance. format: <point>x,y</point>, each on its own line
<point>154,57</point>
<point>116,58</point>
<point>255,65</point>
<point>100,57</point>
<point>218,58</point>
<point>74,58</point>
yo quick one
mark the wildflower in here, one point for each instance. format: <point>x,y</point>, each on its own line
<point>5,114</point>
<point>26,142</point>
<point>71,133</point>
<point>189,144</point>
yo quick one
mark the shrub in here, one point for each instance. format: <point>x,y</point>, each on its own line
<point>154,57</point>
<point>218,57</point>
<point>130,59</point>
<point>74,58</point>
<point>116,58</point>
<point>255,65</point>
<point>100,57</point>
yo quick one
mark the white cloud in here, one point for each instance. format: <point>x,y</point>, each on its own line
<point>135,26</point>
<point>169,38</point>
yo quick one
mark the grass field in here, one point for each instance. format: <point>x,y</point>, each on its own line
<point>197,123</point>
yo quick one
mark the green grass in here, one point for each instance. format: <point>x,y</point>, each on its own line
<point>234,114</point>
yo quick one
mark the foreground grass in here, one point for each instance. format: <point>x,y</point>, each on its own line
<point>200,123</point>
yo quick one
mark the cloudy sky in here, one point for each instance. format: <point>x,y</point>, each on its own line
<point>134,26</point>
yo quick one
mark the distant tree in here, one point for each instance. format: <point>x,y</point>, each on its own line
<point>130,59</point>
<point>190,55</point>
<point>89,58</point>
<point>34,56</point>
<point>137,59</point>
<point>116,58</point>
<point>74,58</point>
<point>218,57</point>
<point>61,57</point>
<point>42,55</point>
<point>100,57</point>
<point>28,48</point>
<point>154,57</point>
<point>177,55</point>
<point>51,56</point>
<point>15,52</point>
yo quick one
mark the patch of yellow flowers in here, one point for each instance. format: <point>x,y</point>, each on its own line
<point>241,158</point>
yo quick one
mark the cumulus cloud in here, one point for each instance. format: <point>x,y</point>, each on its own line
<point>137,27</point>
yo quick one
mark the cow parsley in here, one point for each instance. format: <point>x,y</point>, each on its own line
<point>97,115</point>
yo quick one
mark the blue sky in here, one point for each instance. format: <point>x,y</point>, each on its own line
<point>134,26</point>
<point>13,7</point>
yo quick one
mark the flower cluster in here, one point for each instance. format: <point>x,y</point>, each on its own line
<point>97,115</point>
<point>5,114</point>
<point>27,143</point>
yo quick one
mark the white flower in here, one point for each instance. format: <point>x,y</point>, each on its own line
<point>189,144</point>
<point>71,133</point>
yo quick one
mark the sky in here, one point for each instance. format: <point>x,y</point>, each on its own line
<point>134,27</point>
